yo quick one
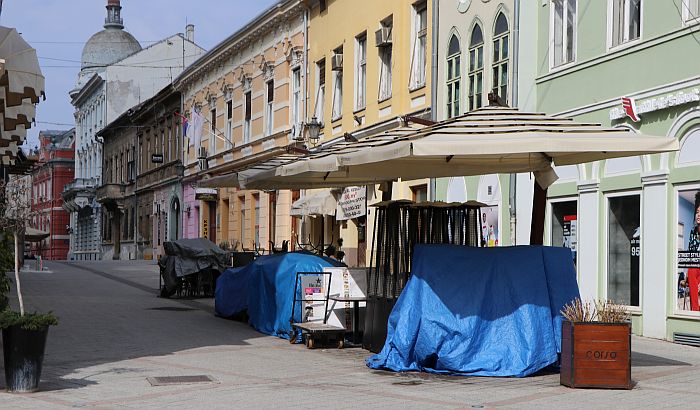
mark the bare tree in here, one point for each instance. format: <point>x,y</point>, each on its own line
<point>15,214</point>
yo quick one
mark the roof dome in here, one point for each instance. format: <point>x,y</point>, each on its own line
<point>107,47</point>
<point>111,44</point>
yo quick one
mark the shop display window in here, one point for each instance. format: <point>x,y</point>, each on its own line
<point>688,244</point>
<point>623,249</point>
<point>564,231</point>
<point>490,234</point>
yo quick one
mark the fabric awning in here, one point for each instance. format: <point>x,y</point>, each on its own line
<point>22,77</point>
<point>35,235</point>
<point>484,141</point>
<point>320,203</point>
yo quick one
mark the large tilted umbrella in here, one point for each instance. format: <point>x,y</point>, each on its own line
<point>485,141</point>
<point>35,235</point>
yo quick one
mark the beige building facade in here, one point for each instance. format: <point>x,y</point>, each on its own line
<point>249,91</point>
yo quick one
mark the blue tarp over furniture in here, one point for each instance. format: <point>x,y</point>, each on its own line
<point>265,288</point>
<point>480,311</point>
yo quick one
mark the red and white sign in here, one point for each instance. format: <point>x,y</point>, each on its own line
<point>630,108</point>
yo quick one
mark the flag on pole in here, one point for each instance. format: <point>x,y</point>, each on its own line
<point>195,129</point>
<point>185,123</point>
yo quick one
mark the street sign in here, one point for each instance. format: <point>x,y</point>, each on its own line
<point>157,158</point>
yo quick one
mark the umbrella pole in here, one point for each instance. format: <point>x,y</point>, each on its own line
<point>539,202</point>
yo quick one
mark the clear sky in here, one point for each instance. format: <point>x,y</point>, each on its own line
<point>57,29</point>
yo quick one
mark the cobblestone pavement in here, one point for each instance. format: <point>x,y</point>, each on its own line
<point>114,334</point>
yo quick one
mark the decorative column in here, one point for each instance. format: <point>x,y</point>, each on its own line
<point>654,253</point>
<point>588,254</point>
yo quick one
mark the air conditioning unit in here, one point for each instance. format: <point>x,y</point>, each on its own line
<point>337,62</point>
<point>383,36</point>
<point>297,134</point>
<point>202,153</point>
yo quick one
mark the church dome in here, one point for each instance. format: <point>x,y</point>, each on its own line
<point>107,47</point>
<point>111,44</point>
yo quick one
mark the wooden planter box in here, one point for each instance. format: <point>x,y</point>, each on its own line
<point>596,355</point>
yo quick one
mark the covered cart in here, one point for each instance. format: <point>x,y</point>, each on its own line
<point>192,264</point>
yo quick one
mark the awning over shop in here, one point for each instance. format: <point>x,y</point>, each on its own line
<point>35,235</point>
<point>488,140</point>
<point>320,203</point>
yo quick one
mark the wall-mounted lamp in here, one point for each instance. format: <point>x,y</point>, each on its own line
<point>313,128</point>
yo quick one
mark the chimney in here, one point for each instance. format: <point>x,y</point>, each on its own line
<point>189,32</point>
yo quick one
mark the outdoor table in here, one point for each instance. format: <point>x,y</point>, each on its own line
<point>355,313</point>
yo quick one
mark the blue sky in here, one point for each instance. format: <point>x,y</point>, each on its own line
<point>57,29</point>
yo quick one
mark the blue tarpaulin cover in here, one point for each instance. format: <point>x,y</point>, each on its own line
<point>265,288</point>
<point>480,311</point>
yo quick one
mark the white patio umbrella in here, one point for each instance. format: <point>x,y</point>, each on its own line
<point>320,203</point>
<point>488,140</point>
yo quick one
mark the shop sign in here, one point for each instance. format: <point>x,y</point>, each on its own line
<point>157,158</point>
<point>205,228</point>
<point>688,259</point>
<point>352,203</point>
<point>630,108</point>
<point>206,194</point>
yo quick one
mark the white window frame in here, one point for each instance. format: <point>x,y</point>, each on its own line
<point>691,16</point>
<point>212,130</point>
<point>361,72</point>
<point>320,91</point>
<point>451,112</point>
<point>606,238</point>
<point>419,49</point>
<point>269,108</point>
<point>473,75</point>
<point>385,74</point>
<point>553,64</point>
<point>499,65</point>
<point>337,105</point>
<point>229,124</point>
<point>626,42</point>
<point>247,121</point>
<point>295,114</point>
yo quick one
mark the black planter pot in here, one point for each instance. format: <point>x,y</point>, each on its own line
<point>24,354</point>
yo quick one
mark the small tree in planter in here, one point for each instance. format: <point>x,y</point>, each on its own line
<point>24,335</point>
<point>596,345</point>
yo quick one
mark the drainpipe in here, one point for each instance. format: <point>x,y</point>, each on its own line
<point>307,12</point>
<point>434,80</point>
<point>513,191</point>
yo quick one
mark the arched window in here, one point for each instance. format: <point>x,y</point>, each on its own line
<point>454,77</point>
<point>476,68</point>
<point>500,57</point>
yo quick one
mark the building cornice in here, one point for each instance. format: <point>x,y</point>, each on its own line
<point>87,90</point>
<point>241,39</point>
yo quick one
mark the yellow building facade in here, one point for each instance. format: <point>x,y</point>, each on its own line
<point>369,65</point>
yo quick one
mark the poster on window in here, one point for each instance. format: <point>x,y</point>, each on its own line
<point>490,235</point>
<point>688,243</point>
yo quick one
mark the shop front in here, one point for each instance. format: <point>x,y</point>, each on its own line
<point>632,223</point>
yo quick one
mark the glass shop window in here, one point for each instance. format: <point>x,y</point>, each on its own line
<point>564,227</point>
<point>623,249</point>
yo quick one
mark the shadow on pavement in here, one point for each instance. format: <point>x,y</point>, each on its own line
<point>643,359</point>
<point>104,318</point>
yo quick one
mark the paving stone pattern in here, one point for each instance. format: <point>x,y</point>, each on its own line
<point>115,333</point>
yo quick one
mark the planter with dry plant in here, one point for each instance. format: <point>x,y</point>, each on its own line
<point>596,345</point>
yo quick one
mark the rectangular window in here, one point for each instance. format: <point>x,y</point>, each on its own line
<point>500,66</point>
<point>296,96</point>
<point>564,225</point>
<point>229,124</point>
<point>269,109</point>
<point>360,71</point>
<point>626,18</point>
<point>212,133</point>
<point>248,114</point>
<point>385,55</point>
<point>688,242</point>
<point>337,84</point>
<point>454,82</point>
<point>420,41</point>
<point>320,90</point>
<point>691,11</point>
<point>476,76</point>
<point>256,199</point>
<point>563,31</point>
<point>419,193</point>
<point>624,249</point>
